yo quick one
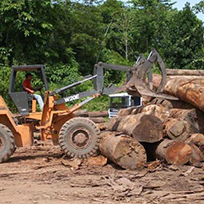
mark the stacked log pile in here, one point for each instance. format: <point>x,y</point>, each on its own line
<point>170,131</point>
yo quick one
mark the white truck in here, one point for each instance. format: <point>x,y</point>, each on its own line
<point>122,100</point>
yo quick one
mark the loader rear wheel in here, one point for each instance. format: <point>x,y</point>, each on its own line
<point>79,137</point>
<point>7,144</point>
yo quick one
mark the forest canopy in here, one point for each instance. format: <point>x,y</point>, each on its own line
<point>69,37</point>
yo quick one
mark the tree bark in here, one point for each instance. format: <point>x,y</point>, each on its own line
<point>142,127</point>
<point>178,153</point>
<point>179,129</point>
<point>125,112</point>
<point>98,120</point>
<point>98,114</point>
<point>151,109</point>
<point>183,106</point>
<point>188,115</point>
<point>81,113</point>
<point>198,140</point>
<point>190,91</point>
<point>123,150</point>
<point>157,111</point>
<point>197,156</point>
<point>160,150</point>
<point>187,72</point>
<point>169,104</point>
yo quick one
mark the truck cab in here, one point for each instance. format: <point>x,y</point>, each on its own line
<point>122,100</point>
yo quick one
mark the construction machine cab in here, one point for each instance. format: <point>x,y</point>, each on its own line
<point>21,97</point>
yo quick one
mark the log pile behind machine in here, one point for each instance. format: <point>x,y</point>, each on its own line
<point>169,131</point>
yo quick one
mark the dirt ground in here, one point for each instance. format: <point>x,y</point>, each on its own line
<point>39,175</point>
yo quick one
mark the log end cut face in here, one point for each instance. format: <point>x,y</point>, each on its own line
<point>131,154</point>
<point>149,129</point>
<point>178,153</point>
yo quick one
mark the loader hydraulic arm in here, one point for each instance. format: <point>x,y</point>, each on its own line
<point>136,76</point>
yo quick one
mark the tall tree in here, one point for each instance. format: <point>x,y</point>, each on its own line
<point>150,24</point>
<point>184,42</point>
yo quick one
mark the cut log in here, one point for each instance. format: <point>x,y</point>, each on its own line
<point>188,115</point>
<point>197,156</point>
<point>187,72</point>
<point>98,120</point>
<point>98,114</point>
<point>142,127</point>
<point>156,110</point>
<point>151,109</point>
<point>124,112</point>
<point>169,104</point>
<point>179,129</point>
<point>112,124</point>
<point>198,140</point>
<point>178,153</point>
<point>160,150</point>
<point>187,90</point>
<point>81,113</point>
<point>122,150</point>
<point>185,77</point>
<point>174,152</point>
<point>183,105</point>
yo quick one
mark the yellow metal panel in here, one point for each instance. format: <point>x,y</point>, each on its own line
<point>33,105</point>
<point>26,132</point>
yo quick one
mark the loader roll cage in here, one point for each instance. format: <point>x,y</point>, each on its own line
<point>20,98</point>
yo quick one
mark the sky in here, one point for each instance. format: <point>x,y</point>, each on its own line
<point>180,4</point>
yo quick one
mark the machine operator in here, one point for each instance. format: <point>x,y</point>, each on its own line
<point>30,90</point>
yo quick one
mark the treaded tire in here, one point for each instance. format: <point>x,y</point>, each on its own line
<point>7,143</point>
<point>68,134</point>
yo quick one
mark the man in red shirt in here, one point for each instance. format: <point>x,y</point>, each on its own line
<point>29,89</point>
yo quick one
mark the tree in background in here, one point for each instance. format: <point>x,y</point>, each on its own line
<point>151,20</point>
<point>184,43</point>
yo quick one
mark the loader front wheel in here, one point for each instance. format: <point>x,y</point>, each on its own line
<point>7,144</point>
<point>79,137</point>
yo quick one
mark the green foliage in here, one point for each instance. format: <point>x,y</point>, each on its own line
<point>71,36</point>
<point>98,104</point>
<point>184,42</point>
<point>4,84</point>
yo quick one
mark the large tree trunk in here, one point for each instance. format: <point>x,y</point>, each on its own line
<point>179,129</point>
<point>174,152</point>
<point>97,119</point>
<point>152,109</point>
<point>198,140</point>
<point>81,113</point>
<point>197,155</point>
<point>178,153</point>
<point>142,127</point>
<point>160,150</point>
<point>183,106</point>
<point>98,114</point>
<point>184,72</point>
<point>156,110</point>
<point>188,115</point>
<point>169,104</point>
<point>190,91</point>
<point>123,150</point>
